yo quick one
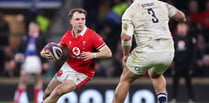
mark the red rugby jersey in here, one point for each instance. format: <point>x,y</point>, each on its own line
<point>89,41</point>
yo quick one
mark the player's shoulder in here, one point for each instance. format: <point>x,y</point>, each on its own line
<point>91,31</point>
<point>162,2</point>
<point>68,32</point>
<point>67,35</point>
<point>92,35</point>
<point>129,13</point>
<point>165,4</point>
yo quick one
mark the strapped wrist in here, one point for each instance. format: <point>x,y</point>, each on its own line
<point>126,43</point>
<point>94,55</point>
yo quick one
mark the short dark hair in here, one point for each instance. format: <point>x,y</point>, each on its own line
<point>79,10</point>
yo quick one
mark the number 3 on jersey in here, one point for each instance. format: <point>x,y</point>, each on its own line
<point>152,13</point>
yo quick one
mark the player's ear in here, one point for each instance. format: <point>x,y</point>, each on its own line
<point>70,21</point>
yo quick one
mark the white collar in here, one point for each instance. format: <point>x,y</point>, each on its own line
<point>83,31</point>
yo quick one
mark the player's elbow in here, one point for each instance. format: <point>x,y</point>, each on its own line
<point>109,53</point>
<point>179,16</point>
<point>182,17</point>
<point>125,37</point>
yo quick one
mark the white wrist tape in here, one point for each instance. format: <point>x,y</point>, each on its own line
<point>126,43</point>
<point>94,55</point>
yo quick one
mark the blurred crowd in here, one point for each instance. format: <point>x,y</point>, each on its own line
<point>104,16</point>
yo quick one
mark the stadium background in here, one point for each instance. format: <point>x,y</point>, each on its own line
<point>104,17</point>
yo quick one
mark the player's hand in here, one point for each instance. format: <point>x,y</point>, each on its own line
<point>46,54</point>
<point>87,55</point>
<point>124,61</point>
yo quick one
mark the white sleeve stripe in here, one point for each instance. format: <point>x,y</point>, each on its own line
<point>100,46</point>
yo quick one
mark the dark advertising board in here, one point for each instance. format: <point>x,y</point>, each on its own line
<point>102,92</point>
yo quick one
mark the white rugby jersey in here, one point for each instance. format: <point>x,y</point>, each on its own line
<point>147,19</point>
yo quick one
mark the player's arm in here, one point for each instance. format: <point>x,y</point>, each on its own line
<point>46,54</point>
<point>126,36</point>
<point>126,47</point>
<point>176,14</point>
<point>126,39</point>
<point>126,44</point>
<point>63,47</point>
<point>179,16</point>
<point>103,52</point>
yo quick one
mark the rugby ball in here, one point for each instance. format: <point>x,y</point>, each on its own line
<point>55,50</point>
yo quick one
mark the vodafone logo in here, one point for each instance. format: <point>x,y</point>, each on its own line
<point>76,51</point>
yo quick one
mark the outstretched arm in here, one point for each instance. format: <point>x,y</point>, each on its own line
<point>104,52</point>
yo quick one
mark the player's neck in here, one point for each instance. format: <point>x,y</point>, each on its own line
<point>76,33</point>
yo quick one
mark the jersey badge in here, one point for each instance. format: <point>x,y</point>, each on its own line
<point>76,51</point>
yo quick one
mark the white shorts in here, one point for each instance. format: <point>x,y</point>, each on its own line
<point>156,55</point>
<point>31,65</point>
<point>67,73</point>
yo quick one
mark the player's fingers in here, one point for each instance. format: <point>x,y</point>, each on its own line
<point>84,54</point>
<point>49,57</point>
<point>42,52</point>
<point>85,58</point>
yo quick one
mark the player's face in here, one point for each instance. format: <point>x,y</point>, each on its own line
<point>33,29</point>
<point>78,21</point>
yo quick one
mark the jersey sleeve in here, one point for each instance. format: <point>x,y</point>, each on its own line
<point>63,39</point>
<point>97,41</point>
<point>127,27</point>
<point>171,10</point>
<point>127,23</point>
